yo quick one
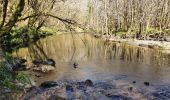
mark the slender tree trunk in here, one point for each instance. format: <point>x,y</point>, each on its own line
<point>12,21</point>
<point>5,5</point>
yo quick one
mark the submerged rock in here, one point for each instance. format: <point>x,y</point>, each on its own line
<point>37,62</point>
<point>73,90</point>
<point>134,82</point>
<point>146,83</point>
<point>56,97</point>
<point>48,84</point>
<point>75,65</point>
<point>69,88</point>
<point>161,93</point>
<point>119,97</point>
<point>50,62</point>
<point>88,82</point>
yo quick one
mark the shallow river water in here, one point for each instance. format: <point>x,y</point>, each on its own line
<point>98,60</point>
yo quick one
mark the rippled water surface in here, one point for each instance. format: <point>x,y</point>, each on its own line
<point>98,60</point>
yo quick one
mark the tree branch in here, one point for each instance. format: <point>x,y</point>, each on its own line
<point>68,21</point>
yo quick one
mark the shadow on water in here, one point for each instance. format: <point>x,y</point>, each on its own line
<point>97,59</point>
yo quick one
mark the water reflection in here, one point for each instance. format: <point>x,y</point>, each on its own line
<point>98,59</point>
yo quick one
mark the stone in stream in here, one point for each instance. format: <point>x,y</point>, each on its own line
<point>37,62</point>
<point>47,62</point>
<point>119,97</point>
<point>48,84</point>
<point>81,87</point>
<point>161,93</point>
<point>88,82</point>
<point>104,86</point>
<point>55,97</point>
<point>130,89</point>
<point>75,65</point>
<point>69,88</point>
<point>38,75</point>
<point>134,82</point>
<point>50,62</point>
<point>146,83</point>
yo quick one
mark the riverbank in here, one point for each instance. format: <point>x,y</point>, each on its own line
<point>145,43</point>
<point>152,44</point>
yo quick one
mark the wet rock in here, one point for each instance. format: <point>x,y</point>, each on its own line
<point>80,83</point>
<point>146,83</point>
<point>20,60</point>
<point>50,62</point>
<point>56,97</point>
<point>47,62</point>
<point>38,75</point>
<point>96,35</point>
<point>101,97</point>
<point>44,68</point>
<point>19,68</point>
<point>88,82</point>
<point>31,93</point>
<point>48,84</point>
<point>31,89</point>
<point>130,89</point>
<point>134,82</point>
<point>18,64</point>
<point>81,87</point>
<point>104,85</point>
<point>162,93</point>
<point>75,65</point>
<point>119,97</point>
<point>69,88</point>
<point>37,62</point>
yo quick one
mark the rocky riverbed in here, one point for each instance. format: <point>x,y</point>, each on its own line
<point>87,90</point>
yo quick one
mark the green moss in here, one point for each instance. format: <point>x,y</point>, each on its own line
<point>151,31</point>
<point>7,77</point>
<point>21,37</point>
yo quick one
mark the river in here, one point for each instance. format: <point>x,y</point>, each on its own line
<point>98,60</point>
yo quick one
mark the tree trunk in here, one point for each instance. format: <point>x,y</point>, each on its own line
<point>12,21</point>
<point>5,5</point>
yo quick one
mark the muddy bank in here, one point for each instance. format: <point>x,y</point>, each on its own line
<point>87,90</point>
